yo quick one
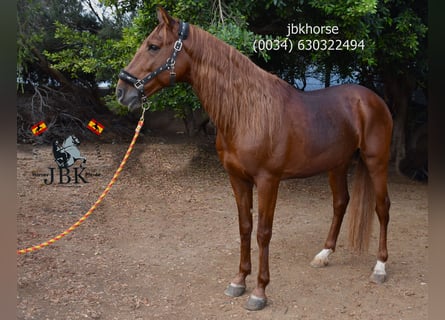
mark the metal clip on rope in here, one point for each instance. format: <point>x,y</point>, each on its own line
<point>145,106</point>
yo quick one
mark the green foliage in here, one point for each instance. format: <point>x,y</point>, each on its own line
<point>78,57</point>
<point>348,9</point>
<point>403,35</point>
<point>237,36</point>
<point>178,98</point>
<point>393,31</point>
<point>29,36</point>
<point>353,17</point>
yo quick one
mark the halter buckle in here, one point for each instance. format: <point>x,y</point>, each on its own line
<point>139,85</point>
<point>178,45</point>
<point>170,63</point>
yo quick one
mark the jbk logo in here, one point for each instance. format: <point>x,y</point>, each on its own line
<point>66,155</point>
<point>65,176</point>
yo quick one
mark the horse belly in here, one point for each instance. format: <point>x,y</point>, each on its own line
<point>315,165</point>
<point>331,147</point>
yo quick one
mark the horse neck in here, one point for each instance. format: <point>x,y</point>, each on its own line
<point>235,92</point>
<point>68,142</point>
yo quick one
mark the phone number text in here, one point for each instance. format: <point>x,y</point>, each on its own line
<point>307,45</point>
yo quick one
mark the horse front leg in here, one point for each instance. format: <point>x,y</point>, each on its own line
<point>267,198</point>
<point>243,195</point>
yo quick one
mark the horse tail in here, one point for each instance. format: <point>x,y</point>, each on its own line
<point>361,209</point>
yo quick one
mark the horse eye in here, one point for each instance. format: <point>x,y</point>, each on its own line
<point>153,47</point>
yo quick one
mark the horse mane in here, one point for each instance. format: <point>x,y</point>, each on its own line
<point>240,97</point>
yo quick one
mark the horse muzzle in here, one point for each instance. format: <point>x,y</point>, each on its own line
<point>128,96</point>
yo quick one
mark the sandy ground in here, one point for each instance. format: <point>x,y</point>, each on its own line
<point>164,243</point>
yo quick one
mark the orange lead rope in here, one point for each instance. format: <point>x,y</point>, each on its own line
<point>145,106</point>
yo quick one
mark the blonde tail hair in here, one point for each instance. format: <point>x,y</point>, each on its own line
<point>361,209</point>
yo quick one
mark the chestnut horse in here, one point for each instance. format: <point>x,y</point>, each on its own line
<point>268,131</point>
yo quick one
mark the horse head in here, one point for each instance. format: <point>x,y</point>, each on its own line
<point>74,140</point>
<point>71,141</point>
<point>159,61</point>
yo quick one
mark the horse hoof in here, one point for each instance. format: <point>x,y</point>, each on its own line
<point>319,263</point>
<point>322,258</point>
<point>255,303</point>
<point>377,278</point>
<point>378,275</point>
<point>235,290</point>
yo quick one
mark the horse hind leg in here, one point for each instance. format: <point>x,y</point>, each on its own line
<point>378,175</point>
<point>376,167</point>
<point>339,187</point>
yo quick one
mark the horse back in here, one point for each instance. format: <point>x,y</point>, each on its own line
<point>324,128</point>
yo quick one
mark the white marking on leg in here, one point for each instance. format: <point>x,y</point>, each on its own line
<point>254,297</point>
<point>236,285</point>
<point>378,274</point>
<point>324,254</point>
<point>322,258</point>
<point>379,267</point>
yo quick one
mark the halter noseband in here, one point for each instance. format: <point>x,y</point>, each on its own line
<point>168,65</point>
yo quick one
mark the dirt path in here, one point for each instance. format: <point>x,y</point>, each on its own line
<point>164,243</point>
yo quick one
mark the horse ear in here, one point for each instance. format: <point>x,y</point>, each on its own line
<point>164,17</point>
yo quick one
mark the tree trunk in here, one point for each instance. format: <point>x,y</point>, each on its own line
<point>398,91</point>
<point>327,75</point>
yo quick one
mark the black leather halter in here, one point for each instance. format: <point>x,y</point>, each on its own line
<point>168,65</point>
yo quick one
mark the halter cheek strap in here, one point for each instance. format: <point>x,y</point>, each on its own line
<point>168,65</point>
